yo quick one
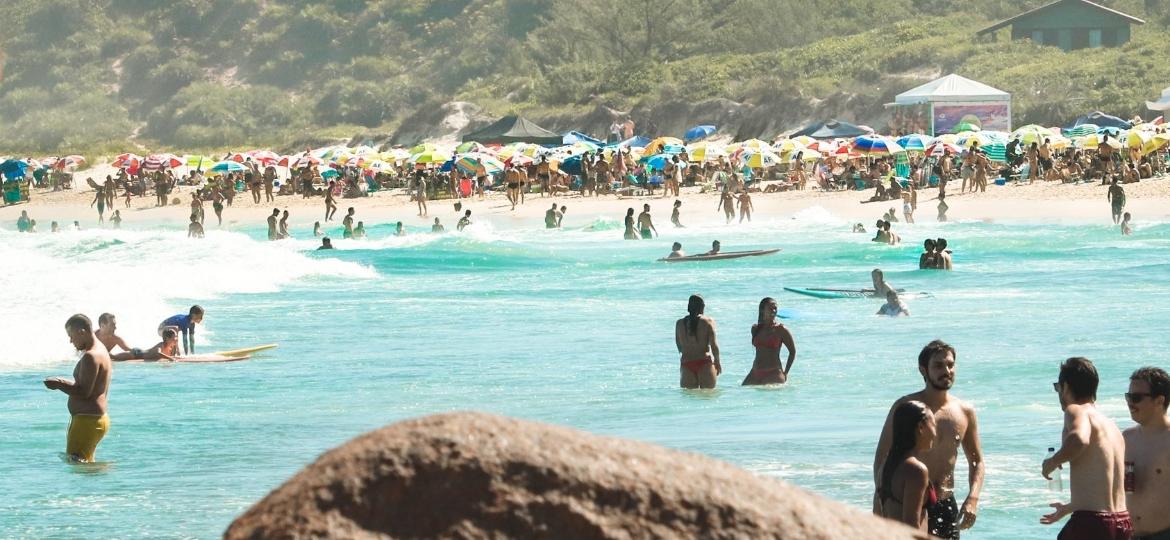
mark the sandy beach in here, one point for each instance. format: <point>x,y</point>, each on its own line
<point>1048,202</point>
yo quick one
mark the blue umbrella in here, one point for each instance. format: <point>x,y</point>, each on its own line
<point>571,165</point>
<point>698,132</point>
<point>329,173</point>
<point>227,166</point>
<point>915,142</point>
<point>657,161</point>
<point>13,168</point>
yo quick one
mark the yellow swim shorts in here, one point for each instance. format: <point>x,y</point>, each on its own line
<point>85,432</point>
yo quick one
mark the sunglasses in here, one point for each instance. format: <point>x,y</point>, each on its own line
<point>1136,397</point>
<point>1056,387</point>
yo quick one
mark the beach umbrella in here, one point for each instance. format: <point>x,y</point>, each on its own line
<point>660,145</point>
<point>876,145</point>
<point>70,161</point>
<point>657,161</point>
<point>805,140</point>
<point>755,145</point>
<point>581,147</point>
<point>196,161</point>
<point>305,161</point>
<point>158,162</point>
<point>395,155</point>
<point>430,156</point>
<point>1032,133</point>
<point>329,173</point>
<point>519,160</point>
<point>363,150</point>
<point>266,157</point>
<point>128,160</point>
<point>423,148</point>
<point>470,146</point>
<point>915,142</point>
<point>471,161</point>
<point>377,165</point>
<point>1082,130</point>
<point>825,146</point>
<point>759,159</point>
<point>13,168</point>
<point>698,132</point>
<point>940,148</point>
<point>227,166</point>
<point>785,146</point>
<point>328,152</point>
<point>705,151</point>
<point>806,154</point>
<point>1156,142</point>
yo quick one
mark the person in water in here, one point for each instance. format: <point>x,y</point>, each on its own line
<point>945,262</point>
<point>195,229</point>
<point>893,306</point>
<point>674,214</point>
<point>1095,450</point>
<point>282,227</point>
<point>347,223</point>
<point>928,260</point>
<point>727,203</point>
<point>399,230</point>
<point>116,219</point>
<point>272,231</point>
<point>745,206</point>
<point>645,224</point>
<point>217,206</point>
<point>880,287</point>
<point>107,333</point>
<point>694,335</point>
<point>326,243</point>
<point>550,217</point>
<point>53,227</point>
<point>630,233</point>
<point>1116,198</point>
<point>715,246</point>
<point>22,222</point>
<point>317,229</point>
<point>957,427</point>
<point>858,228</point>
<point>1147,447</point>
<point>1126,229</point>
<point>438,227</point>
<point>88,391</point>
<point>561,215</point>
<point>676,251</point>
<point>942,208</point>
<point>186,325</point>
<point>904,488</point>
<point>167,349</point>
<point>464,221</point>
<point>360,230</point>
<point>768,336</point>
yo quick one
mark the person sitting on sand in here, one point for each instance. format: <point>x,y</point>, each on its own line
<point>326,243</point>
<point>893,306</point>
<point>676,251</point>
<point>1126,230</point>
<point>167,349</point>
<point>714,248</point>
<point>929,259</point>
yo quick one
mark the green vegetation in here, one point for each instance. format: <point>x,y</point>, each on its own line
<point>91,75</point>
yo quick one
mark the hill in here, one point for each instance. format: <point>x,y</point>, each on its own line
<point>103,75</point>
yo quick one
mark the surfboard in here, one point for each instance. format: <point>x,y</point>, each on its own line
<point>246,351</point>
<point>835,293</point>
<point>191,359</point>
<point>720,256</point>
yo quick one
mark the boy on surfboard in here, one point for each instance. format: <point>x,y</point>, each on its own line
<point>167,349</point>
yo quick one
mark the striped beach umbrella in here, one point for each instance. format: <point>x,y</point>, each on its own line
<point>227,166</point>
<point>128,160</point>
<point>158,162</point>
<point>430,157</point>
<point>471,161</point>
<point>266,157</point>
<point>940,148</point>
<point>877,145</point>
<point>915,142</point>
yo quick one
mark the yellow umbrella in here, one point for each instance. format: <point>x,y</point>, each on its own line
<point>658,144</point>
<point>949,138</point>
<point>759,160</point>
<point>754,145</point>
<point>1137,139</point>
<point>805,140</point>
<point>395,155</point>
<point>806,154</point>
<point>1155,143</point>
<point>787,146</point>
<point>705,151</point>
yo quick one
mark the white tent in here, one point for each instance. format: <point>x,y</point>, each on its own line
<point>955,100</point>
<point>1163,103</point>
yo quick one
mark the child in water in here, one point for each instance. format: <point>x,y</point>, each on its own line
<point>1126,230</point>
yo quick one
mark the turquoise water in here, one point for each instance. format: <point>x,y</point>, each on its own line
<point>572,327</point>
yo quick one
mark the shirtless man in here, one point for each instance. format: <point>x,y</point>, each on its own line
<point>645,225</point>
<point>438,227</point>
<point>945,262</point>
<point>715,247</point>
<point>694,335</point>
<point>880,287</point>
<point>420,195</point>
<point>347,222</point>
<point>167,349</point>
<point>550,217</point>
<point>1147,447</point>
<point>282,226</point>
<point>272,224</point>
<point>87,391</point>
<point>1116,198</point>
<point>512,177</point>
<point>1095,451</point>
<point>957,427</point>
<point>1045,155</point>
<point>745,206</point>
<point>676,251</point>
<point>928,260</point>
<point>464,221</point>
<point>107,334</point>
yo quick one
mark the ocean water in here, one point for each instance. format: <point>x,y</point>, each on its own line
<point>572,327</point>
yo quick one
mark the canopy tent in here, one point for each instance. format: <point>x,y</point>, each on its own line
<point>1163,103</point>
<point>831,129</point>
<point>637,141</point>
<point>951,101</point>
<point>510,129</point>
<point>574,137</point>
<point>1101,120</point>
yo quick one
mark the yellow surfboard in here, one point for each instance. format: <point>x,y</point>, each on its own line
<point>247,351</point>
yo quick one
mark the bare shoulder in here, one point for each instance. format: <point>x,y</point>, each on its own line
<point>708,321</point>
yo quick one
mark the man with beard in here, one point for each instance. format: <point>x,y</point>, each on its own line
<point>957,427</point>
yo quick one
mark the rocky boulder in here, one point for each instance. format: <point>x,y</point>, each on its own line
<point>471,475</point>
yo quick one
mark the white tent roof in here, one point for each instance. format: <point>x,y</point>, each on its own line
<point>1163,103</point>
<point>951,88</point>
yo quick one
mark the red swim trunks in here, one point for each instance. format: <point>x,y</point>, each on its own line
<point>1084,525</point>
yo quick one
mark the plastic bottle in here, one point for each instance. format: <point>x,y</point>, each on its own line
<point>1055,483</point>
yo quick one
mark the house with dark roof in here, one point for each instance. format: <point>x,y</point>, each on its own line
<point>1069,24</point>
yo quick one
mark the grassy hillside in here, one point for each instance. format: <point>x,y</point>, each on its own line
<point>105,74</point>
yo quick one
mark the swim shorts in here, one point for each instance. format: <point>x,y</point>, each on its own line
<point>646,234</point>
<point>942,519</point>
<point>85,432</point>
<point>137,354</point>
<point>1097,526</point>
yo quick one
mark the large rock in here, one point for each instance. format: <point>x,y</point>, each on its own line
<point>471,475</point>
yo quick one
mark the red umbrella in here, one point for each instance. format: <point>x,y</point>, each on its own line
<point>128,160</point>
<point>941,148</point>
<point>158,162</point>
<point>267,157</point>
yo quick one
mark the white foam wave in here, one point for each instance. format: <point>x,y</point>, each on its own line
<point>137,275</point>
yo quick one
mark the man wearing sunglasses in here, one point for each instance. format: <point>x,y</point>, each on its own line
<point>1095,451</point>
<point>1147,447</point>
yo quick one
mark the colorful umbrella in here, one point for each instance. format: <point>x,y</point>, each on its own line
<point>471,161</point>
<point>227,166</point>
<point>940,148</point>
<point>158,162</point>
<point>876,145</point>
<point>705,151</point>
<point>1082,130</point>
<point>759,159</point>
<point>128,160</point>
<point>915,142</point>
<point>423,148</point>
<point>469,146</point>
<point>698,132</point>
<point>1032,133</point>
<point>430,156</point>
<point>198,162</point>
<point>660,145</point>
<point>785,146</point>
<point>266,157</point>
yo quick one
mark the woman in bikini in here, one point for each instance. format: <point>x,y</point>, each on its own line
<point>694,335</point>
<point>904,490</point>
<point>768,336</point>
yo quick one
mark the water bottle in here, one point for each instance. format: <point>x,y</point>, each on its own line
<point>1055,483</point>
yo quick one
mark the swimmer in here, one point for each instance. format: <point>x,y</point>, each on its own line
<point>1126,230</point>
<point>550,217</point>
<point>858,228</point>
<point>630,233</point>
<point>272,232</point>
<point>194,230</point>
<point>108,335</point>
<point>88,391</point>
<point>186,325</point>
<point>438,227</point>
<point>714,248</point>
<point>53,227</point>
<point>317,229</point>
<point>116,219</point>
<point>929,259</point>
<point>904,490</point>
<point>768,336</point>
<point>22,222</point>
<point>326,243</point>
<point>893,306</point>
<point>674,214</point>
<point>347,222</point>
<point>694,335</point>
<point>464,221</point>
<point>945,262</point>
<point>360,230</point>
<point>676,251</point>
<point>561,215</point>
<point>282,227</point>
<point>882,236</point>
<point>400,230</point>
<point>645,225</point>
<point>167,349</point>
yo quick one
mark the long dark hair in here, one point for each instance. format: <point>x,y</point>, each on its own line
<point>695,307</point>
<point>904,437</point>
<point>760,321</point>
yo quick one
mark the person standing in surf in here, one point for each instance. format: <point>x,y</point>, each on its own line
<point>630,233</point>
<point>272,232</point>
<point>217,206</point>
<point>674,214</point>
<point>768,336</point>
<point>1147,447</point>
<point>942,208</point>
<point>347,222</point>
<point>904,489</point>
<point>957,427</point>
<point>727,203</point>
<point>550,217</point>
<point>694,335</point>
<point>88,391</point>
<point>282,227</point>
<point>330,202</point>
<point>1116,198</point>
<point>645,225</point>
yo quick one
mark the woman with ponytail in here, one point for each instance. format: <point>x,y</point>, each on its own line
<point>694,335</point>
<point>904,490</point>
<point>768,336</point>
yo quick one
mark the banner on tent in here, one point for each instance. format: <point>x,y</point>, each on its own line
<point>950,117</point>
